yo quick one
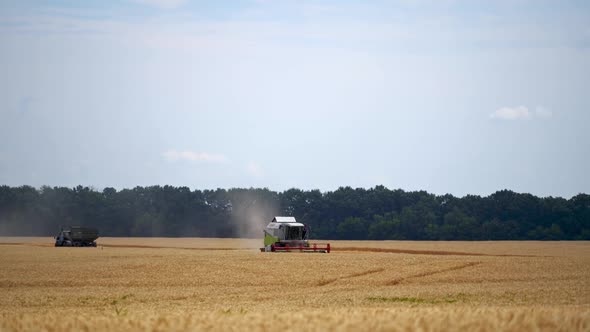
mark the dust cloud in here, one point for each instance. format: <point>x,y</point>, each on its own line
<point>251,213</point>
<point>19,227</point>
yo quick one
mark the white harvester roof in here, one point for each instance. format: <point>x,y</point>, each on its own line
<point>277,225</point>
<point>284,219</point>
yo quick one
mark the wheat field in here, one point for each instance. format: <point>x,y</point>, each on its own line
<point>160,284</point>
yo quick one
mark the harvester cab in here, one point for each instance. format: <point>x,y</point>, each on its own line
<point>284,234</point>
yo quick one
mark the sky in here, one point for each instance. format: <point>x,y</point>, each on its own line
<point>460,97</point>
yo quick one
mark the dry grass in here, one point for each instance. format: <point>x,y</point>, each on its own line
<point>225,284</point>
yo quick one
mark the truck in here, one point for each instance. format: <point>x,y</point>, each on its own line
<point>76,236</point>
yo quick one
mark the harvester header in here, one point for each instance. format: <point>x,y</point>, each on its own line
<point>285,234</point>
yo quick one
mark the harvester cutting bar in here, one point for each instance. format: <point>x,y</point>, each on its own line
<point>312,248</point>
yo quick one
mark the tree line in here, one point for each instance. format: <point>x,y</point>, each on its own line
<point>348,213</point>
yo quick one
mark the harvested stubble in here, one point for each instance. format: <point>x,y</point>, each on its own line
<point>164,284</point>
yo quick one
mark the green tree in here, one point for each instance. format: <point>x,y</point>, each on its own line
<point>352,228</point>
<point>387,227</point>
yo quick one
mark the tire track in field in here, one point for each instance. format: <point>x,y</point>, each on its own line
<point>430,273</point>
<point>334,249</point>
<point>426,252</point>
<point>166,247</point>
<point>27,244</point>
<point>324,282</point>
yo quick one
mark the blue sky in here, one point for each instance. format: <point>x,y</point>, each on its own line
<point>461,97</point>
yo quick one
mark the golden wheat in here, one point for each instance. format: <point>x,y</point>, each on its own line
<point>226,284</point>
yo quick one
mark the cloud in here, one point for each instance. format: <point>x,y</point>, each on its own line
<point>174,156</point>
<point>254,169</point>
<point>521,113</point>
<point>163,4</point>
<point>543,112</point>
<point>511,113</point>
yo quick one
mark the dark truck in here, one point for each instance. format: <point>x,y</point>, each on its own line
<point>76,236</point>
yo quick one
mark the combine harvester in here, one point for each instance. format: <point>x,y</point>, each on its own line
<point>285,234</point>
<point>76,236</point>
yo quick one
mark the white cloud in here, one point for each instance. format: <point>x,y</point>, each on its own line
<point>186,155</point>
<point>521,113</point>
<point>254,169</point>
<point>511,113</point>
<point>163,4</point>
<point>543,112</point>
